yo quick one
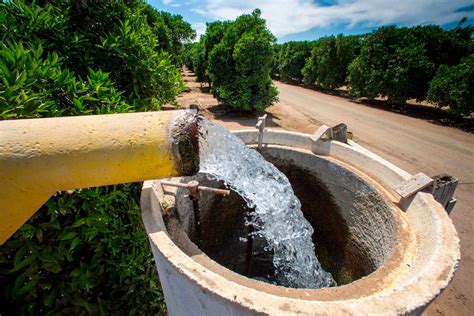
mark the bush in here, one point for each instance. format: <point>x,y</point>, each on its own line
<point>82,253</point>
<point>148,76</point>
<point>253,86</point>
<point>277,49</point>
<point>292,59</point>
<point>188,55</point>
<point>391,64</point>
<point>85,252</point>
<point>33,86</point>
<point>400,62</point>
<point>128,39</point>
<point>235,58</point>
<point>453,86</point>
<point>199,62</point>
<point>239,62</point>
<point>329,60</point>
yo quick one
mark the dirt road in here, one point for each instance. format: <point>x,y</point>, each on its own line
<point>413,144</point>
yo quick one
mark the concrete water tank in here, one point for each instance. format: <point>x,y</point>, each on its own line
<point>387,258</point>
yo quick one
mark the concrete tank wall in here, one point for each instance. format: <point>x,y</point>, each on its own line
<point>414,252</point>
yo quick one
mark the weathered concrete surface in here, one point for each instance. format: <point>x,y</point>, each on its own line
<point>421,264</point>
<point>414,144</point>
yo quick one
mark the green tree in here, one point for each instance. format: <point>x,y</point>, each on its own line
<point>444,47</point>
<point>277,49</point>
<point>392,64</point>
<point>214,35</point>
<point>178,32</point>
<point>453,86</point>
<point>198,53</point>
<point>239,65</point>
<point>36,86</point>
<point>188,55</point>
<point>200,62</point>
<point>292,59</point>
<point>328,64</point>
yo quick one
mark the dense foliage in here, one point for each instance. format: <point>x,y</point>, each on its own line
<point>128,39</point>
<point>235,58</point>
<point>400,62</point>
<point>453,86</point>
<point>330,57</point>
<point>291,60</point>
<point>86,251</point>
<point>392,63</point>
<point>396,63</point>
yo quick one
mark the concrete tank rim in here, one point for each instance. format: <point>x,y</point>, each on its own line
<point>404,298</point>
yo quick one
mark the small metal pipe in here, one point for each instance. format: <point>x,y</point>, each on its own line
<point>261,128</point>
<point>194,193</point>
<point>174,184</point>
<point>193,185</point>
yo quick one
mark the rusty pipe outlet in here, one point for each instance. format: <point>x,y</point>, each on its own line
<point>39,157</point>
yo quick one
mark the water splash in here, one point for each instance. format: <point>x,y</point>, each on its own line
<point>276,215</point>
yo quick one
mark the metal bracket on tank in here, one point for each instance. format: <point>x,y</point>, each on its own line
<point>338,132</point>
<point>194,193</point>
<point>442,188</point>
<point>261,128</point>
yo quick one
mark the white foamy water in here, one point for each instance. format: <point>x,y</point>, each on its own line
<point>276,214</point>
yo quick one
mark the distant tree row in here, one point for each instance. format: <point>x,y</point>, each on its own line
<point>235,58</point>
<point>423,63</point>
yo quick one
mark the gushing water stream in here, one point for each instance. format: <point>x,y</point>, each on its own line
<point>276,215</point>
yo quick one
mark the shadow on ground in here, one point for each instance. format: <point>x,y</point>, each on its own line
<point>428,113</point>
<point>248,119</point>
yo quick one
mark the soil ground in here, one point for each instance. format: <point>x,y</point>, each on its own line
<point>416,143</point>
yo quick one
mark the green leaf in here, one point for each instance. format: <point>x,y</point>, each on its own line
<point>39,234</point>
<point>24,263</point>
<point>67,235</point>
<point>19,255</point>
<point>78,301</point>
<point>53,267</point>
<point>75,243</point>
<point>50,298</point>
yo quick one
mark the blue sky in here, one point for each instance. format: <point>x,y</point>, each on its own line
<point>291,20</point>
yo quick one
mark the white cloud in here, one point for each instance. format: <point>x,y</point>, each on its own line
<point>293,16</point>
<point>200,29</point>
<point>166,2</point>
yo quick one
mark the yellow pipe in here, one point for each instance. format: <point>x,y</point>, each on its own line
<point>39,157</point>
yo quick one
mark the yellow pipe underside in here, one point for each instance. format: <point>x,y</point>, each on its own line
<point>39,157</point>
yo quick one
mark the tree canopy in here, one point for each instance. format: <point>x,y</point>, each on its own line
<point>236,58</point>
<point>396,63</point>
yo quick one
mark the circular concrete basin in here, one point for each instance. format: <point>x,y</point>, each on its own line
<point>387,258</point>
